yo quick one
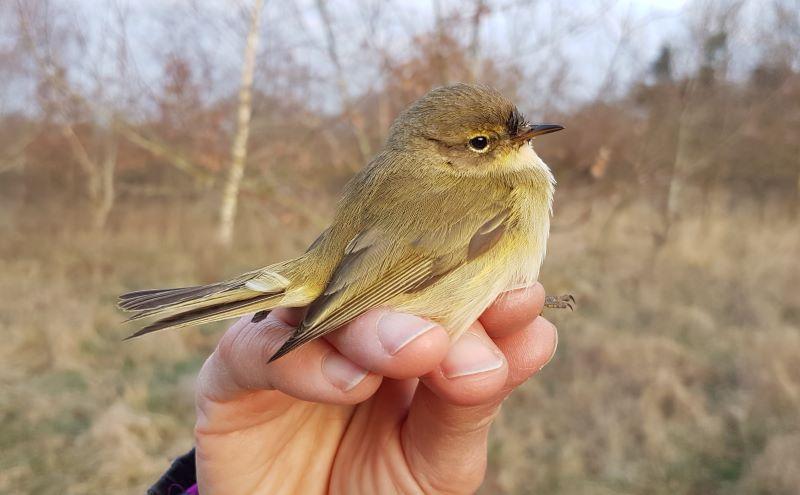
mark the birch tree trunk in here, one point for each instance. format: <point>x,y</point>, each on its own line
<point>104,203</point>
<point>99,173</point>
<point>230,193</point>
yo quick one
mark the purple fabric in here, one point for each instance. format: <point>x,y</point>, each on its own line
<point>192,491</point>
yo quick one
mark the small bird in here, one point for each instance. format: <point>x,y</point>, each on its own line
<point>454,210</point>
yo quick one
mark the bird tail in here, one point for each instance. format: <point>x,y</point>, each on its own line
<point>259,291</point>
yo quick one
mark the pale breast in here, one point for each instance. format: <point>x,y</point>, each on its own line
<point>528,257</point>
<point>459,298</point>
<point>534,199</point>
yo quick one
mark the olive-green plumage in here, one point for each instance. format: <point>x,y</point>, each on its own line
<point>453,210</point>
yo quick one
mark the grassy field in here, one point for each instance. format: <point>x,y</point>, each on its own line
<point>678,373</point>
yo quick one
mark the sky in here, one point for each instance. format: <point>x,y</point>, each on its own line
<point>615,42</point>
<point>662,4</point>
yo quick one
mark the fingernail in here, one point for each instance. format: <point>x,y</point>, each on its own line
<point>397,330</point>
<point>470,355</point>
<point>341,372</point>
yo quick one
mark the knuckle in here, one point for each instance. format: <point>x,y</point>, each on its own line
<point>227,346</point>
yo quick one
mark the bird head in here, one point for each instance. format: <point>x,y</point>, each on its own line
<point>468,129</point>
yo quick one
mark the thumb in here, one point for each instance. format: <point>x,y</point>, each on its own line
<point>445,444</point>
<point>445,434</point>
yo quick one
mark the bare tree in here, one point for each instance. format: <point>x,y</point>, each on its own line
<point>230,194</point>
<point>98,168</point>
<point>159,149</point>
<point>332,49</point>
<point>473,50</point>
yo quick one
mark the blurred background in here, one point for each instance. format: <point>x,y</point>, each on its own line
<point>151,144</point>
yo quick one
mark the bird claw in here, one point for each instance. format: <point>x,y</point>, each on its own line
<point>560,302</point>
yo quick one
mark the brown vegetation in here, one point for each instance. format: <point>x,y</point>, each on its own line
<point>677,227</point>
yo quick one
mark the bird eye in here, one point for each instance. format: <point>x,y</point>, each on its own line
<point>479,144</point>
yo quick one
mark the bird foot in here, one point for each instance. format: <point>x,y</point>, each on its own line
<point>560,302</point>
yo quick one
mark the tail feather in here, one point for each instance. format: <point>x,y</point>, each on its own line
<point>188,304</point>
<point>146,292</point>
<point>153,299</point>
<point>209,313</point>
<point>256,291</point>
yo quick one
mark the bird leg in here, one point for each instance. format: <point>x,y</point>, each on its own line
<point>560,302</point>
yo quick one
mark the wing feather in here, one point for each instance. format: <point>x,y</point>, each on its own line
<point>375,269</point>
<point>329,317</point>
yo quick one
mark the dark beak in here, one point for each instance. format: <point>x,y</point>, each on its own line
<point>537,130</point>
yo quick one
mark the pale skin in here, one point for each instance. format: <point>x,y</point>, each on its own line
<point>347,414</point>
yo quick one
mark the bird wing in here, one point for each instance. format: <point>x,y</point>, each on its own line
<point>377,266</point>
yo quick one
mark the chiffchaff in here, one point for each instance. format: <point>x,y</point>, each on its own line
<point>454,210</point>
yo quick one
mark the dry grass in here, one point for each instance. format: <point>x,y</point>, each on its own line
<point>679,373</point>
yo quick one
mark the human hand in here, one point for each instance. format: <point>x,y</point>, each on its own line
<point>347,413</point>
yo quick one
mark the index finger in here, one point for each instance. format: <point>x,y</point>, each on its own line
<point>314,372</point>
<point>513,311</point>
